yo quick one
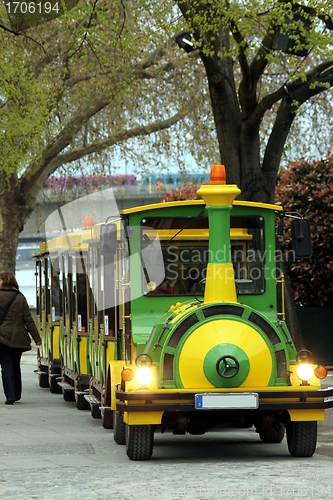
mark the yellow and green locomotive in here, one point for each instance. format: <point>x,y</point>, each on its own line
<point>187,328</point>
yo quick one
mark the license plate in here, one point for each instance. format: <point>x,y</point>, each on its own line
<point>231,401</point>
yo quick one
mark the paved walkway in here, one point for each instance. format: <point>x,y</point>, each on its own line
<point>51,450</point>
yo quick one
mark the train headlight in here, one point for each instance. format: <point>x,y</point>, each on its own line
<point>143,375</point>
<point>304,372</point>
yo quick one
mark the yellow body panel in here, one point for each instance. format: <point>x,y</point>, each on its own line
<point>306,415</point>
<point>110,353</point>
<point>195,234</point>
<point>55,342</point>
<point>225,331</point>
<point>74,241</point>
<point>145,418</point>
<point>83,346</point>
<point>43,248</point>
<point>169,204</point>
<point>116,367</point>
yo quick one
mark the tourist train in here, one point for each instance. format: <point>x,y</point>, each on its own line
<point>171,316</point>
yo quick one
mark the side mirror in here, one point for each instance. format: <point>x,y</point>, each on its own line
<point>301,238</point>
<point>108,239</point>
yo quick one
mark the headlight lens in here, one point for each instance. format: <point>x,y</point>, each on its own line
<point>143,375</point>
<point>304,371</point>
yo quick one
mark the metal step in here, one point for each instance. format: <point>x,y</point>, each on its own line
<point>48,374</point>
<point>85,392</point>
<point>92,399</point>
<point>66,386</point>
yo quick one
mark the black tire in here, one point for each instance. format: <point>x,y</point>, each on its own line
<point>95,411</point>
<point>107,418</point>
<point>274,434</point>
<point>139,442</point>
<point>43,380</point>
<point>68,395</point>
<point>302,438</point>
<point>81,402</point>
<point>80,390</point>
<point>53,384</point>
<point>119,430</point>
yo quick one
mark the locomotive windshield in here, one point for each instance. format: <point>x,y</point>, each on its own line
<point>184,243</point>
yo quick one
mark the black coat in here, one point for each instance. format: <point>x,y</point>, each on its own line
<point>18,321</point>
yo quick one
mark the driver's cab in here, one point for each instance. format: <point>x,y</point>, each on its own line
<point>185,252</point>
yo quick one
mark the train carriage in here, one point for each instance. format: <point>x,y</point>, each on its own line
<point>49,325</point>
<point>62,317</point>
<point>188,331</point>
<point>106,313</point>
<point>71,263</point>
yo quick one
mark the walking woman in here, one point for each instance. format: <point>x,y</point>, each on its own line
<point>15,323</point>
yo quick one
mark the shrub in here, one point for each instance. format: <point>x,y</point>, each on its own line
<point>306,187</point>
<point>187,192</point>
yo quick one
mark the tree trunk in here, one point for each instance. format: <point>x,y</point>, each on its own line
<point>11,224</point>
<point>253,182</point>
<point>227,124</point>
<point>240,153</point>
<point>225,108</point>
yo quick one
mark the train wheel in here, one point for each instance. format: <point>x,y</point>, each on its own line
<point>53,383</point>
<point>274,434</point>
<point>107,418</point>
<point>43,380</point>
<point>302,438</point>
<point>95,411</point>
<point>54,386</point>
<point>43,377</point>
<point>139,441</point>
<point>68,395</point>
<point>81,402</point>
<point>119,434</point>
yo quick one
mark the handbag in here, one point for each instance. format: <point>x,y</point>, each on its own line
<point>8,307</point>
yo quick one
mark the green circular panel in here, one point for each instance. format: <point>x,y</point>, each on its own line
<point>229,367</point>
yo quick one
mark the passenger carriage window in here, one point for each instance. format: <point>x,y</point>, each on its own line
<point>184,243</point>
<point>38,288</point>
<point>62,288</point>
<point>66,287</point>
<point>82,311</point>
<point>91,301</point>
<point>56,288</point>
<point>48,286</point>
<point>108,284</point>
<point>94,295</point>
<point>73,288</point>
<point>42,286</point>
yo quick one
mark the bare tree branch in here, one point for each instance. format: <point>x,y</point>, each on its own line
<point>119,137</point>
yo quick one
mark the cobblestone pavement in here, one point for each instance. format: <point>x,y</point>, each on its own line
<point>51,450</point>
